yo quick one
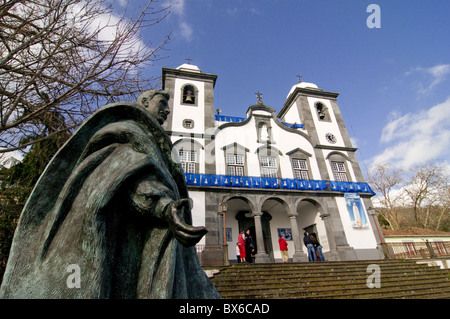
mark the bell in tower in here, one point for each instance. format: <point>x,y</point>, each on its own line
<point>188,95</point>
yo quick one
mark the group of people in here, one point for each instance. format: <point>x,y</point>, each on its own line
<point>314,247</point>
<point>245,247</point>
<point>312,244</point>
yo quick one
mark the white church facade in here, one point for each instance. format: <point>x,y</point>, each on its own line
<point>277,173</point>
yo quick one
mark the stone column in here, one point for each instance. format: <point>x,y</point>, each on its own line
<point>299,255</point>
<point>261,256</point>
<point>332,254</point>
<point>336,233</point>
<point>220,228</point>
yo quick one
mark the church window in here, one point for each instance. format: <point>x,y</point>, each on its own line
<point>188,161</point>
<point>339,171</point>
<point>300,169</point>
<point>189,94</point>
<point>235,164</point>
<point>268,166</point>
<point>188,124</point>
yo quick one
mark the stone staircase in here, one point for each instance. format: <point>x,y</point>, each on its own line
<point>398,279</point>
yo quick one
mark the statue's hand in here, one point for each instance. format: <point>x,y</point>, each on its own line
<point>186,234</point>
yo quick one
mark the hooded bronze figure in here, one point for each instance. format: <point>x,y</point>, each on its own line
<point>114,202</point>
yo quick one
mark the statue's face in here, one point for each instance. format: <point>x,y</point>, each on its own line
<point>158,107</point>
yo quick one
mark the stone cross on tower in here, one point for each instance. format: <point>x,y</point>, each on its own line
<point>189,60</point>
<point>299,78</point>
<point>258,95</point>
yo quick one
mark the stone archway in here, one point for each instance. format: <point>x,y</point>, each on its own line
<point>239,209</point>
<point>311,219</point>
<point>279,211</point>
<point>246,221</point>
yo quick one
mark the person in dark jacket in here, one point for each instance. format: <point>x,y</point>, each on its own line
<point>310,245</point>
<point>249,247</point>
<point>317,246</point>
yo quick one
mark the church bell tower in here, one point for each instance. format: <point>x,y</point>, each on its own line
<point>191,119</point>
<point>191,99</point>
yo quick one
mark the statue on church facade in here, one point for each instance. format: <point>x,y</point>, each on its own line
<point>264,133</point>
<point>112,204</point>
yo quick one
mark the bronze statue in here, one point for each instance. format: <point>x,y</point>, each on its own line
<point>112,203</point>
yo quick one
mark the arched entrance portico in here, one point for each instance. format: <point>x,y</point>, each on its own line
<point>311,219</point>
<point>269,216</point>
<point>247,221</point>
<point>238,217</point>
<point>245,212</point>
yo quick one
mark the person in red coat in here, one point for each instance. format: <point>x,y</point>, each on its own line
<point>241,245</point>
<point>284,249</point>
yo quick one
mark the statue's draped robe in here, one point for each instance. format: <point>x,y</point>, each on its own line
<point>83,211</point>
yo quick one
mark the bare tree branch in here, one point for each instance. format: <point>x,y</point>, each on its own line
<point>419,198</point>
<point>68,57</point>
<point>386,181</point>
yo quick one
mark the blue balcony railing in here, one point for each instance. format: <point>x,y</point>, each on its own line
<point>276,183</point>
<point>235,119</point>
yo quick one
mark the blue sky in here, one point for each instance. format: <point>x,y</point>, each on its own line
<point>394,81</point>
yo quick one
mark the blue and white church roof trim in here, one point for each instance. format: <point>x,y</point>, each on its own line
<point>209,180</point>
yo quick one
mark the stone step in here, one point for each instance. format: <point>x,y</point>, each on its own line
<point>317,283</point>
<point>432,290</point>
<point>339,281</point>
<point>386,291</point>
<point>318,265</point>
<point>399,279</point>
<point>323,264</point>
<point>255,275</point>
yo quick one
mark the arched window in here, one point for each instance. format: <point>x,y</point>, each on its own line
<point>300,164</point>
<point>189,94</point>
<point>339,167</point>
<point>235,159</point>
<point>188,151</point>
<point>322,112</point>
<point>269,161</point>
<point>269,167</point>
<point>188,123</point>
<point>339,171</point>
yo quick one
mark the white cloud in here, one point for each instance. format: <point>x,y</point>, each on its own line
<point>186,31</point>
<point>123,3</point>
<point>107,25</point>
<point>391,129</point>
<point>438,74</point>
<point>354,141</point>
<point>255,11</point>
<point>177,7</point>
<point>233,11</point>
<point>415,138</point>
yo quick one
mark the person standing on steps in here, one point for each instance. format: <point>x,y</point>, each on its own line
<point>238,253</point>
<point>310,245</point>
<point>284,249</point>
<point>250,248</point>
<point>317,246</point>
<point>241,245</point>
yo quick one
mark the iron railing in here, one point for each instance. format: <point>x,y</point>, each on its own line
<point>417,250</point>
